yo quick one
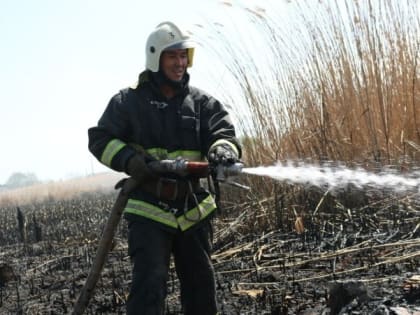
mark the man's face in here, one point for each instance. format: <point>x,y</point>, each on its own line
<point>174,63</point>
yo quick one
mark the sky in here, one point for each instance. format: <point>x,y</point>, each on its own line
<point>61,62</point>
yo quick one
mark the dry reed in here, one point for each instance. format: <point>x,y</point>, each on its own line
<point>340,82</point>
<point>320,81</point>
<point>59,190</point>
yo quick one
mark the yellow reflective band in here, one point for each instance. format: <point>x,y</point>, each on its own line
<point>157,214</point>
<point>223,141</point>
<point>158,153</point>
<point>161,154</point>
<point>112,148</point>
<point>197,214</point>
<point>190,155</point>
<point>151,212</point>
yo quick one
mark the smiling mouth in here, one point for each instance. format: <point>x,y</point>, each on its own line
<point>178,73</point>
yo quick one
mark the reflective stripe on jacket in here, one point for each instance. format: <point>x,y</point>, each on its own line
<point>168,218</point>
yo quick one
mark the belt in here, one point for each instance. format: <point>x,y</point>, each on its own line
<point>170,189</point>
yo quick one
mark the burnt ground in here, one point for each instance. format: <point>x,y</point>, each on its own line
<point>332,260</point>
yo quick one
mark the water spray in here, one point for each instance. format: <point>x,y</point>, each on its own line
<point>324,176</point>
<point>336,177</point>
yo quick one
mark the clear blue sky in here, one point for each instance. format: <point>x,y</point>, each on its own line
<point>61,61</point>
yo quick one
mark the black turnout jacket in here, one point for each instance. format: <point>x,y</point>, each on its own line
<point>186,126</point>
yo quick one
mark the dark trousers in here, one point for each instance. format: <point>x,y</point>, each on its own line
<point>150,248</point>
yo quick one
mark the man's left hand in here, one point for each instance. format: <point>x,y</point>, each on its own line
<point>222,154</point>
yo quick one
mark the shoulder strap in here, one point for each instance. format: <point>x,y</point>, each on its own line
<point>197,123</point>
<point>191,109</point>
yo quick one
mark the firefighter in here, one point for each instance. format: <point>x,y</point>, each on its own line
<point>164,117</point>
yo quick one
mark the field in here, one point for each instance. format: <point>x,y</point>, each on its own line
<point>364,259</point>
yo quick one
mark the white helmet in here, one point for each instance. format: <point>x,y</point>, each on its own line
<point>166,36</point>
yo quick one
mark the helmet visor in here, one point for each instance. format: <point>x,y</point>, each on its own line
<point>181,45</point>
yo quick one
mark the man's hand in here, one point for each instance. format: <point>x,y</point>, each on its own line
<point>138,169</point>
<point>222,154</point>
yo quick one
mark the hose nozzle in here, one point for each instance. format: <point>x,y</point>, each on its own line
<point>224,171</point>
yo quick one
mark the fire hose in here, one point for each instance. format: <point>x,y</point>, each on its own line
<point>184,168</point>
<point>179,167</point>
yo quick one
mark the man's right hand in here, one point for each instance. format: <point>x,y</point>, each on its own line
<point>138,169</point>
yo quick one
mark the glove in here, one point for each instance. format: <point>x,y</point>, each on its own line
<point>222,154</point>
<point>138,169</point>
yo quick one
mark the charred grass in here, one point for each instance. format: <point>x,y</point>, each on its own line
<point>364,258</point>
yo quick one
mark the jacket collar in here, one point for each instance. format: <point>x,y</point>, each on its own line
<point>156,79</point>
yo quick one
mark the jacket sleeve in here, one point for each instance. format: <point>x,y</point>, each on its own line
<point>108,141</point>
<point>216,126</point>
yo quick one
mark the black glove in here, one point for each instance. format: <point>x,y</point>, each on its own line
<point>222,154</point>
<point>138,169</point>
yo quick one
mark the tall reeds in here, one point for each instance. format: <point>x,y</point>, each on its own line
<point>319,81</point>
<point>337,80</point>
